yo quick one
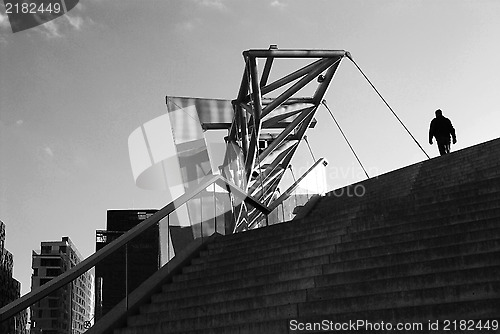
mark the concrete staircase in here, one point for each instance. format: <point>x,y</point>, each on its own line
<point>417,245</point>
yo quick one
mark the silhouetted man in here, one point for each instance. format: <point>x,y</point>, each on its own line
<point>441,129</point>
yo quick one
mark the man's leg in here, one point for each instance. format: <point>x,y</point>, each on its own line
<point>447,148</point>
<point>442,148</point>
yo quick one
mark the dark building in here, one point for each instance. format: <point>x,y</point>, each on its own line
<point>10,289</point>
<point>141,257</point>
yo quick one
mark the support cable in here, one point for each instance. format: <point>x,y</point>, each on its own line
<point>388,106</point>
<point>294,181</point>
<point>347,141</point>
<point>310,150</point>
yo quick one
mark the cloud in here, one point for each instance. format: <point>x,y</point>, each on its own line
<point>189,25</point>
<point>4,21</point>
<point>215,4</point>
<point>58,27</point>
<point>49,29</point>
<point>278,4</point>
<point>48,151</point>
<point>75,21</point>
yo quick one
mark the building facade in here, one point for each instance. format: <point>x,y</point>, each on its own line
<point>70,309</point>
<point>10,289</point>
<point>126,269</point>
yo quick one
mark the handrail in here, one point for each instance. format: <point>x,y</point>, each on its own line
<point>294,186</point>
<point>117,316</point>
<point>58,282</point>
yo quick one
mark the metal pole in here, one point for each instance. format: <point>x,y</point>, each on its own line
<point>215,210</point>
<point>201,214</point>
<point>126,276</point>
<point>168,238</point>
<point>283,212</point>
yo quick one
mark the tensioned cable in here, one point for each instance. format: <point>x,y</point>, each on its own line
<point>309,146</point>
<point>347,141</point>
<point>388,106</point>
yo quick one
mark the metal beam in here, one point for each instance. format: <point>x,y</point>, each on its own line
<point>266,71</point>
<point>284,53</point>
<point>257,107</point>
<point>297,86</point>
<point>323,86</point>
<point>299,119</point>
<point>291,77</point>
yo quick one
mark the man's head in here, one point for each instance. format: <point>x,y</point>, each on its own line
<point>439,113</point>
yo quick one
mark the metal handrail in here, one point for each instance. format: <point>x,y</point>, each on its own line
<point>287,193</point>
<point>58,282</point>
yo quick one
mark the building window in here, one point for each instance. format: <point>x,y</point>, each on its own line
<point>55,262</point>
<point>46,249</point>
<point>53,272</point>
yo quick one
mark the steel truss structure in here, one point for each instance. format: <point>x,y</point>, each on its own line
<point>267,130</point>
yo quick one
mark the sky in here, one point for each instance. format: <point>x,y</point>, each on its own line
<point>73,90</point>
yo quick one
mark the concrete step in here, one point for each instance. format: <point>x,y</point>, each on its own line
<point>351,239</point>
<point>422,280</point>
<point>367,218</point>
<point>332,277</point>
<point>342,263</point>
<point>458,255</point>
<point>244,297</point>
<point>174,291</point>
<point>214,316</point>
<point>327,275</point>
<point>333,245</point>
<point>360,230</point>
<point>400,299</point>
<point>456,271</point>
<point>349,252</point>
<point>258,275</point>
<point>416,203</point>
<point>261,327</point>
<point>420,315</point>
<point>241,317</point>
<point>273,249</point>
<point>252,266</point>
<point>283,238</point>
<point>223,306</point>
<point>321,228</point>
<point>445,216</point>
<point>275,264</point>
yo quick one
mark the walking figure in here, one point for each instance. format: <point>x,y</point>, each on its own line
<point>441,129</point>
